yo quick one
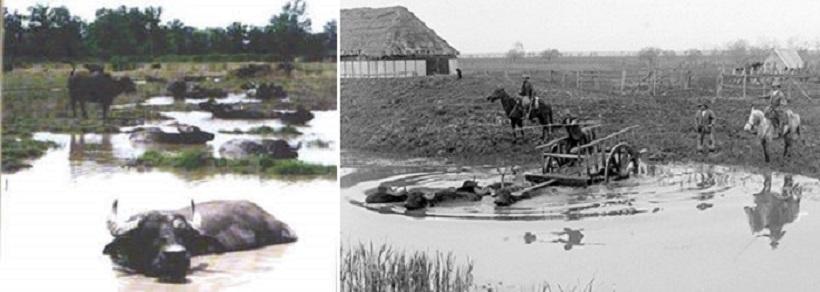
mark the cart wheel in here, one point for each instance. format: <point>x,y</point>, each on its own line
<point>551,164</point>
<point>618,161</point>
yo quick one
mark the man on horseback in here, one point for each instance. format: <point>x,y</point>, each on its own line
<point>775,111</point>
<point>704,123</point>
<point>527,95</point>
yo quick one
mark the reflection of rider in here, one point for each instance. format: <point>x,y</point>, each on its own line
<point>774,210</point>
<point>775,112</point>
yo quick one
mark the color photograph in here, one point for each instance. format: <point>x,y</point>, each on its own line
<point>169,145</point>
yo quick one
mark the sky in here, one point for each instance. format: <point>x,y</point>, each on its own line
<point>197,13</point>
<point>473,26</point>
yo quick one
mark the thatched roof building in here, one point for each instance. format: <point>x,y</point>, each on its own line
<point>371,37</point>
<point>783,61</point>
<point>387,33</point>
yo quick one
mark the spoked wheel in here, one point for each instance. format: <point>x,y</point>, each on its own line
<point>552,164</point>
<point>619,160</point>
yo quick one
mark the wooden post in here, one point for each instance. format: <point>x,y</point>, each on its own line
<point>563,79</point>
<point>578,79</point>
<point>719,83</point>
<point>623,81</point>
<point>744,83</point>
<point>789,91</point>
<point>654,80</point>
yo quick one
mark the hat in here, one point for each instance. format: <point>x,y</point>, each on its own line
<point>703,103</point>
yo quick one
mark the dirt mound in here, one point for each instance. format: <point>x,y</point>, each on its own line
<point>444,117</point>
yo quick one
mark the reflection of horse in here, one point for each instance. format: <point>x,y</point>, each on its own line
<point>762,127</point>
<point>773,211</point>
<point>574,238</point>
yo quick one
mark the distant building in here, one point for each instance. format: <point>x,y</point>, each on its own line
<point>782,61</point>
<point>391,42</point>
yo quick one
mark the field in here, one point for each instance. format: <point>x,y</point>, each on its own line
<point>35,99</point>
<point>443,117</point>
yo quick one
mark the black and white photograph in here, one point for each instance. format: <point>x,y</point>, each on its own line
<point>586,145</point>
<point>169,146</point>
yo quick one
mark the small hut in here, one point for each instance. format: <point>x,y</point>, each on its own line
<point>391,42</point>
<point>783,61</point>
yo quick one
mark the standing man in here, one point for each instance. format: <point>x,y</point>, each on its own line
<point>775,112</point>
<point>704,123</point>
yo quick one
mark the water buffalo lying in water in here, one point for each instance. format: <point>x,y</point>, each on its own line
<point>241,148</point>
<point>469,191</point>
<point>96,87</point>
<point>299,117</point>
<point>235,112</point>
<point>180,89</point>
<point>385,194</point>
<point>186,135</point>
<point>161,243</point>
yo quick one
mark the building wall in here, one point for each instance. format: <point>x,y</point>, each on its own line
<point>397,68</point>
<point>382,68</point>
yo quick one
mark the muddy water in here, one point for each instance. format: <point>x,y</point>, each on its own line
<point>53,216</point>
<point>676,228</point>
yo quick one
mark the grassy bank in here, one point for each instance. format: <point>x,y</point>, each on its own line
<point>380,268</point>
<point>444,117</point>
<point>202,160</point>
<point>266,130</point>
<point>17,149</point>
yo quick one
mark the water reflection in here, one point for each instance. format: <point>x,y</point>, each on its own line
<point>772,210</point>
<point>574,237</point>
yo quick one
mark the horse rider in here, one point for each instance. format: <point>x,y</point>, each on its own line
<point>775,112</point>
<point>704,124</point>
<point>527,92</point>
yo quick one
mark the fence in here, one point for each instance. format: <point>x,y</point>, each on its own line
<point>747,84</point>
<point>622,82</point>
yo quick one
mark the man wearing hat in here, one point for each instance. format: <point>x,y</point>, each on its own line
<point>528,94</point>
<point>775,112</point>
<point>704,123</point>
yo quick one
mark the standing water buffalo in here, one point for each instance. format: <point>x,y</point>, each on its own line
<point>97,87</point>
<point>161,243</point>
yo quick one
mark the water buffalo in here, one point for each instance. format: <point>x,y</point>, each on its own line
<point>96,87</point>
<point>385,194</point>
<point>161,243</point>
<point>235,112</point>
<point>180,89</point>
<point>469,191</point>
<point>299,117</point>
<point>241,148</point>
<point>186,135</point>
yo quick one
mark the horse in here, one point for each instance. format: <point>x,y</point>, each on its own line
<point>513,109</point>
<point>761,126</point>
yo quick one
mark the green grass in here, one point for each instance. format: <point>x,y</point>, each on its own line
<point>16,149</point>
<point>381,268</point>
<point>202,160</point>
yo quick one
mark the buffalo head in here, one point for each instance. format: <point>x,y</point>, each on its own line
<point>158,244</point>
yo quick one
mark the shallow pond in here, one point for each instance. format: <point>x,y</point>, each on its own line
<point>53,215</point>
<point>675,228</point>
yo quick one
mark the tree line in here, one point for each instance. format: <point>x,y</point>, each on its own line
<point>53,33</point>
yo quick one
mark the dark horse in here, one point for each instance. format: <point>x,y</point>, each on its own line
<point>515,110</point>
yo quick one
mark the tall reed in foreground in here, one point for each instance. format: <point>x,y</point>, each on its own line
<point>369,268</point>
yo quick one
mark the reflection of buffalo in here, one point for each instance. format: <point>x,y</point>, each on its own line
<point>96,87</point>
<point>241,148</point>
<point>161,243</point>
<point>773,211</point>
<point>186,135</point>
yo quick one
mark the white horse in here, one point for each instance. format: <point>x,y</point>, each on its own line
<point>762,127</point>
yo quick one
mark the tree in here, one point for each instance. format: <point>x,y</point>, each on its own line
<point>289,29</point>
<point>693,55</point>
<point>237,34</point>
<point>549,54</point>
<point>517,52</point>
<point>649,56</point>
<point>737,50</point>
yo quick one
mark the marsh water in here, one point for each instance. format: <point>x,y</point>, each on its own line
<point>53,214</point>
<point>678,227</point>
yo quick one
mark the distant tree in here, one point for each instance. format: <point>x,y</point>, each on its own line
<point>517,52</point>
<point>737,51</point>
<point>669,53</point>
<point>693,55</point>
<point>289,29</point>
<point>549,54</point>
<point>649,56</point>
<point>237,34</point>
<point>330,34</point>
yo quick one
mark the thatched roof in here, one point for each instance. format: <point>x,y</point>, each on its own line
<point>789,57</point>
<point>388,32</point>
